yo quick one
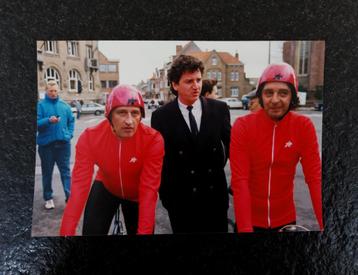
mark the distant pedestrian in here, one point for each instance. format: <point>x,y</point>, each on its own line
<point>55,125</point>
<point>129,158</point>
<point>78,108</point>
<point>254,104</point>
<point>265,149</point>
<point>196,131</point>
<point>209,89</point>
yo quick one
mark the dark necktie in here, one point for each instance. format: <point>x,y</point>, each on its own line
<point>193,126</point>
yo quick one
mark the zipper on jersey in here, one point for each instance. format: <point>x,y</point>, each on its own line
<point>270,173</point>
<point>119,168</point>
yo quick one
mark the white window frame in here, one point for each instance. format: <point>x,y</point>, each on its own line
<point>214,61</point>
<point>51,47</point>
<point>52,74</point>
<point>237,76</point>
<point>73,75</point>
<point>112,68</point>
<point>90,83</point>
<point>219,75</point>
<point>232,76</point>
<point>234,91</point>
<point>72,48</point>
<point>103,68</point>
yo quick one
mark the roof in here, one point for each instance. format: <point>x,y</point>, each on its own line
<point>226,57</point>
<point>189,48</point>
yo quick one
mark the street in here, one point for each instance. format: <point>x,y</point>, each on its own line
<point>47,222</point>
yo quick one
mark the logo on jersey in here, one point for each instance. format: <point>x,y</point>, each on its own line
<point>133,160</point>
<point>288,144</point>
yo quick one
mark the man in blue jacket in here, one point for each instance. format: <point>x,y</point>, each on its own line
<point>55,124</point>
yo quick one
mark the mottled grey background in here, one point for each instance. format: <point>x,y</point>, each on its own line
<point>332,252</point>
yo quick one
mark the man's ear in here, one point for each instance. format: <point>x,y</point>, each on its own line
<point>175,85</point>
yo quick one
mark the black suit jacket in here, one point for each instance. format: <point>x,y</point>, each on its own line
<point>193,168</point>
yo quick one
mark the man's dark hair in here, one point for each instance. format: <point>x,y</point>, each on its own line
<point>182,64</point>
<point>294,100</point>
<point>207,87</point>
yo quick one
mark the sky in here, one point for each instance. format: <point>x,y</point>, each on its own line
<point>139,59</point>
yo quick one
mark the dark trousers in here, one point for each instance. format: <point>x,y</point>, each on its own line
<point>58,152</point>
<point>100,209</point>
<point>197,219</point>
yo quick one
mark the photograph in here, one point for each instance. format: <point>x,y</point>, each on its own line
<point>148,137</point>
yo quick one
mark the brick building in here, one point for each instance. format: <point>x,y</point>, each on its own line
<point>73,65</point>
<point>307,58</point>
<point>108,74</point>
<point>227,69</point>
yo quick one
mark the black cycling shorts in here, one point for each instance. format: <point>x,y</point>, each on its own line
<point>100,209</point>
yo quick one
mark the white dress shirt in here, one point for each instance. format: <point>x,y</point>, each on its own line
<point>196,111</point>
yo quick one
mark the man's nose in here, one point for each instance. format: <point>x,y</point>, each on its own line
<point>196,85</point>
<point>129,119</point>
<point>275,98</point>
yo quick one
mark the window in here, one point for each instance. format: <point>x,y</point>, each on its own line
<point>111,68</point>
<point>219,76</point>
<point>74,78</point>
<point>103,84</point>
<point>112,83</point>
<point>52,74</point>
<point>237,76</point>
<point>213,75</point>
<point>72,48</point>
<point>234,91</point>
<point>214,61</point>
<point>303,59</point>
<point>107,68</point>
<point>232,76</point>
<point>89,52</point>
<point>209,75</point>
<point>51,47</point>
<point>220,91</point>
<point>90,83</point>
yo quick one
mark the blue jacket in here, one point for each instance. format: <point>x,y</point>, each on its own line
<point>49,132</point>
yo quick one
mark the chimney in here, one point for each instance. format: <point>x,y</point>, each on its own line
<point>179,49</point>
<point>237,56</point>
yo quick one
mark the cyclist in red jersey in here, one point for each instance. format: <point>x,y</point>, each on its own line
<point>129,157</point>
<point>264,151</point>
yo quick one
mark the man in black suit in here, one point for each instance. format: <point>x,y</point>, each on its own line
<point>196,133</point>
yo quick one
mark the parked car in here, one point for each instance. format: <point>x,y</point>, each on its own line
<point>74,110</point>
<point>153,103</point>
<point>318,105</point>
<point>92,108</point>
<point>232,102</point>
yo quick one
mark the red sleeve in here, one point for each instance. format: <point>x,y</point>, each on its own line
<point>311,164</point>
<point>240,170</point>
<point>149,184</point>
<point>80,186</point>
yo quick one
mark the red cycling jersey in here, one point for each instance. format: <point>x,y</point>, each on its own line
<point>128,168</point>
<point>263,159</point>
